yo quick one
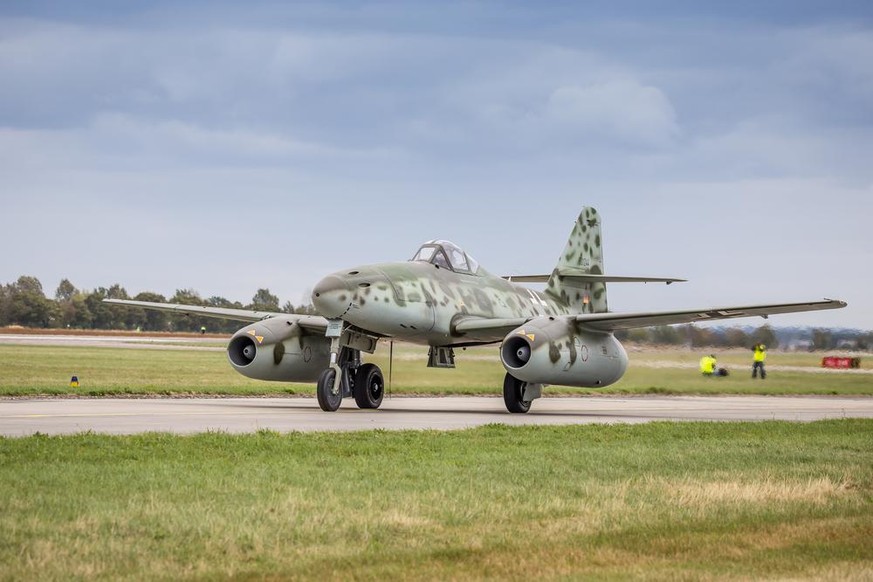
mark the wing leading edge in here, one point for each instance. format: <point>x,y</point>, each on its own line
<point>315,322</point>
<point>615,321</point>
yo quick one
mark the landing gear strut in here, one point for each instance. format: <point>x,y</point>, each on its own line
<point>363,381</point>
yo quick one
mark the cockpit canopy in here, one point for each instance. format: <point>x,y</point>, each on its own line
<point>447,255</point>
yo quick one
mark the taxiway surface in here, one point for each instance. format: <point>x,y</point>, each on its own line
<point>20,417</point>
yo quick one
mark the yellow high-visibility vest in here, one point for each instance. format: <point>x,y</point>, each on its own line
<point>760,354</point>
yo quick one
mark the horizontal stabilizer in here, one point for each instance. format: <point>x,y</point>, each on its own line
<point>583,277</point>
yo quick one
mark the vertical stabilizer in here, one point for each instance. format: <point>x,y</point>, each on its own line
<point>583,254</point>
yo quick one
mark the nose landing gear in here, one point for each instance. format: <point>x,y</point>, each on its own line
<point>348,376</point>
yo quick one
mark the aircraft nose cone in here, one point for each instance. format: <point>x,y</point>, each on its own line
<point>332,297</point>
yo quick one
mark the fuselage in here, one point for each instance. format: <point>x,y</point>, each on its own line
<point>420,301</point>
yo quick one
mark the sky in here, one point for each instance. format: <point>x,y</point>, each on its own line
<point>225,146</point>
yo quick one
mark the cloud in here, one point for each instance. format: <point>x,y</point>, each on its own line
<point>621,111</point>
<point>172,137</point>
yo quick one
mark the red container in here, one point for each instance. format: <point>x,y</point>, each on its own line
<point>841,363</point>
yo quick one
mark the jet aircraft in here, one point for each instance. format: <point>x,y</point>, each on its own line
<point>444,299</point>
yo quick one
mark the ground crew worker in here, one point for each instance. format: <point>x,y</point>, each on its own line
<point>760,354</point>
<point>707,365</point>
<point>202,330</point>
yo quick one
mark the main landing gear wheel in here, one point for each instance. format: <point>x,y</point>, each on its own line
<point>513,388</point>
<point>369,386</point>
<point>327,400</point>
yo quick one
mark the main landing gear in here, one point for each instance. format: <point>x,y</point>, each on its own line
<point>363,381</point>
<point>517,395</point>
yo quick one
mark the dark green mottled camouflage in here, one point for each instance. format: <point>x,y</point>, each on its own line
<point>584,252</point>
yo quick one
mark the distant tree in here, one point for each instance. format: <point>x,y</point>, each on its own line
<point>264,301</point>
<point>65,291</point>
<point>80,316</point>
<point>822,339</point>
<point>217,301</point>
<point>116,292</point>
<point>288,307</point>
<point>666,335</point>
<point>223,325</point>
<point>72,306</point>
<point>4,305</point>
<point>307,309</point>
<point>765,335</point>
<point>640,335</point>
<point>699,336</point>
<point>735,337</point>
<point>188,322</point>
<point>27,304</point>
<point>104,315</point>
<point>150,319</point>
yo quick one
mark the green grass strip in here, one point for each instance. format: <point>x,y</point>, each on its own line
<point>107,371</point>
<point>655,501</point>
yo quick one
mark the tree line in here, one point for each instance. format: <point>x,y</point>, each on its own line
<point>735,337</point>
<point>25,303</point>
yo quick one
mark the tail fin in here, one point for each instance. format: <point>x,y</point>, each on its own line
<point>583,255</point>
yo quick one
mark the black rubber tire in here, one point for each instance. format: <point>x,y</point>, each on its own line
<point>327,400</point>
<point>369,386</point>
<point>512,389</point>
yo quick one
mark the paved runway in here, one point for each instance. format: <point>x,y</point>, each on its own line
<point>239,415</point>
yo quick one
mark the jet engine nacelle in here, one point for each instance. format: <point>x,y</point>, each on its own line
<point>278,349</point>
<point>554,350</point>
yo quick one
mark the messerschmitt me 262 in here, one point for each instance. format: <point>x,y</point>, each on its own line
<point>444,299</point>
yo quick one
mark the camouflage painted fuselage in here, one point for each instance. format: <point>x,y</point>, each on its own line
<point>421,302</point>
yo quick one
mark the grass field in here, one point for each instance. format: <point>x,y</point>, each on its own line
<point>692,501</point>
<point>33,370</point>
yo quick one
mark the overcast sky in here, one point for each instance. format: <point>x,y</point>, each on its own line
<point>226,146</point>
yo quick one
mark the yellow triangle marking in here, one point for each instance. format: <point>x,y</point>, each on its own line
<point>531,336</point>
<point>260,339</point>
<point>251,332</point>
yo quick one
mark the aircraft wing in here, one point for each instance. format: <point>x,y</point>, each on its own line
<point>476,326</point>
<point>314,322</point>
<point>614,321</point>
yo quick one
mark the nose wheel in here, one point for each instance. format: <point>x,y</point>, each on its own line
<point>362,381</point>
<point>329,399</point>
